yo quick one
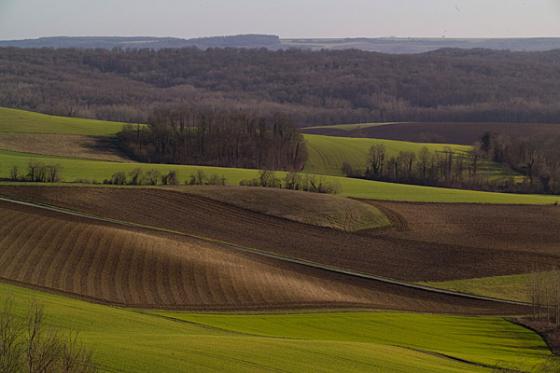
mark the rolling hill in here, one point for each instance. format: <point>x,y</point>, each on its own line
<point>438,132</point>
<point>128,340</point>
<point>328,153</point>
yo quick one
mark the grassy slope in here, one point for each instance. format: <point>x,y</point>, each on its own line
<point>74,169</point>
<point>513,287</point>
<point>327,153</point>
<point>311,208</point>
<point>132,341</point>
<point>20,121</point>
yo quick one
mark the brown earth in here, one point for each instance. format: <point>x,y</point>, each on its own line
<point>444,132</point>
<point>75,146</point>
<point>409,254</point>
<point>513,229</point>
<point>119,265</point>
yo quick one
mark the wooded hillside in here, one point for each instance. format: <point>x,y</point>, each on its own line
<point>312,87</point>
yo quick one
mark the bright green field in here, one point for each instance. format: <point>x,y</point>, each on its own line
<point>327,153</point>
<point>511,287</point>
<point>20,121</point>
<point>74,169</point>
<point>126,340</point>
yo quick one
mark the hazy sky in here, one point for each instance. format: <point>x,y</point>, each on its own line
<point>287,18</point>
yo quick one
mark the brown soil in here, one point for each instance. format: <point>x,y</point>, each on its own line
<point>87,147</point>
<point>444,132</point>
<point>533,230</point>
<point>128,266</point>
<point>411,255</point>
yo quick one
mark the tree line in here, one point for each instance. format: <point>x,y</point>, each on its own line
<point>293,181</point>
<point>536,157</point>
<point>229,138</point>
<point>444,168</point>
<point>325,87</point>
<point>37,172</point>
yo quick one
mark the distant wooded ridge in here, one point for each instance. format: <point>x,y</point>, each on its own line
<point>383,45</point>
<point>311,87</point>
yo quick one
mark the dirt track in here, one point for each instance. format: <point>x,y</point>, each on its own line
<point>410,255</point>
<point>126,266</point>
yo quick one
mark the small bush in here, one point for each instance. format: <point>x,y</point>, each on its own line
<point>170,178</point>
<point>135,176</point>
<point>200,178</point>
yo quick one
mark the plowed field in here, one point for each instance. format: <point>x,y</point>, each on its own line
<point>405,255</point>
<point>128,266</point>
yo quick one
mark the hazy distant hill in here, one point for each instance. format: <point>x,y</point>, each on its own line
<point>383,45</point>
<point>238,41</point>
<point>420,45</point>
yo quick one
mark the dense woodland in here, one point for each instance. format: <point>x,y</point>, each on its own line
<point>216,137</point>
<point>311,87</point>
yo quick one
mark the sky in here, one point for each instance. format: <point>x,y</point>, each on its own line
<point>21,19</point>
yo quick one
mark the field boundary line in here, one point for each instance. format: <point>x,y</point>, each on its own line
<point>262,253</point>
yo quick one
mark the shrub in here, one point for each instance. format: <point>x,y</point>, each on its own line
<point>170,178</point>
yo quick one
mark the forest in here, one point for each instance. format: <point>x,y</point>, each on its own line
<point>183,135</point>
<point>309,86</point>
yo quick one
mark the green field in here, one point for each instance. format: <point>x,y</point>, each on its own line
<point>163,341</point>
<point>327,153</point>
<point>75,169</point>
<point>510,287</point>
<point>20,121</point>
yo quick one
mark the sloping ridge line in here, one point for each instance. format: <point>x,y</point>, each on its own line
<point>262,253</point>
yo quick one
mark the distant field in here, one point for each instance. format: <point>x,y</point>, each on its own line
<point>512,287</point>
<point>134,341</point>
<point>328,153</point>
<point>323,210</point>
<point>337,128</point>
<point>76,169</point>
<point>21,121</point>
<point>444,132</point>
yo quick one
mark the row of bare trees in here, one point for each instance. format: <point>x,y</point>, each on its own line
<point>140,177</point>
<point>293,181</point>
<point>214,137</point>
<point>437,168</point>
<point>37,172</point>
<point>544,293</point>
<point>154,177</point>
<point>27,345</point>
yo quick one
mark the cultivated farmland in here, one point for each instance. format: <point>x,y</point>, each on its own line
<point>123,266</point>
<point>159,341</point>
<point>380,253</point>
<point>90,171</point>
<point>445,132</point>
